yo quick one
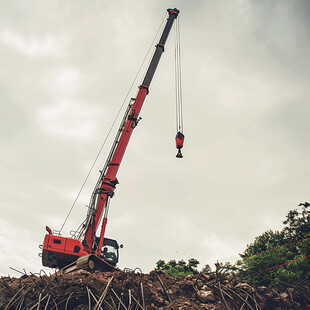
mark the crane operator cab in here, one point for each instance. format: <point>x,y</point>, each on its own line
<point>109,251</point>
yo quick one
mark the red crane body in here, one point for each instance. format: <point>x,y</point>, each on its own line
<point>109,182</point>
<point>60,251</point>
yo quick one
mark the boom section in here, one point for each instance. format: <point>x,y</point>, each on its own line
<point>107,182</point>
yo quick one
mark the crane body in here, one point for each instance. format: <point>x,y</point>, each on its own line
<point>85,249</point>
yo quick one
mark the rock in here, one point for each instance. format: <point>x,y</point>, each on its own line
<point>186,285</point>
<point>193,293</point>
<point>208,306</point>
<point>81,307</point>
<point>160,301</point>
<point>284,295</point>
<point>185,306</point>
<point>205,296</point>
<point>205,276</point>
<point>246,287</point>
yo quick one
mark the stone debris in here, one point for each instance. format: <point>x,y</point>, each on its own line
<point>82,290</point>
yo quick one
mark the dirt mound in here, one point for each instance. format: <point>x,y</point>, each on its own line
<point>82,290</point>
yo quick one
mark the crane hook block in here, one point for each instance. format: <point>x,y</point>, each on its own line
<point>179,139</point>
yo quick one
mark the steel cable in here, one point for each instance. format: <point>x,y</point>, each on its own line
<point>178,80</point>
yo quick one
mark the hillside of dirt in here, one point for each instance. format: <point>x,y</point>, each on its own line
<point>82,290</point>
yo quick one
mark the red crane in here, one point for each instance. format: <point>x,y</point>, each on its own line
<point>85,249</point>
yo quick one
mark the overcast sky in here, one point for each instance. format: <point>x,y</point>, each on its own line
<point>66,67</point>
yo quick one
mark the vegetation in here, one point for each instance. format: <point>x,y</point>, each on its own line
<point>180,268</point>
<point>280,248</point>
<point>273,257</point>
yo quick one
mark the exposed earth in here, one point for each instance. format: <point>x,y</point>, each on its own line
<point>82,290</point>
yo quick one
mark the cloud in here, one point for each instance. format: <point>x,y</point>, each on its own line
<point>22,254</point>
<point>32,46</point>
<point>66,118</point>
<point>214,247</point>
<point>68,80</point>
<point>245,77</point>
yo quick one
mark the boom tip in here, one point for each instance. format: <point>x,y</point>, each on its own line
<point>174,11</point>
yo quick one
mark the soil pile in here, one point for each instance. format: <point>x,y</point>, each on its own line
<point>82,290</point>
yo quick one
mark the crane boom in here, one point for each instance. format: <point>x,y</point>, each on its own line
<point>109,180</point>
<point>54,253</point>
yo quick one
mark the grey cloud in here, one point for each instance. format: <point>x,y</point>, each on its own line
<point>245,90</point>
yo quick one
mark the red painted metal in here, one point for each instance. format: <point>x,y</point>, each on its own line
<point>59,251</point>
<point>108,186</point>
<point>179,139</point>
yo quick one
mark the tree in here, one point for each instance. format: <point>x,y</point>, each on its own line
<point>206,269</point>
<point>277,248</point>
<point>192,265</point>
<point>178,269</point>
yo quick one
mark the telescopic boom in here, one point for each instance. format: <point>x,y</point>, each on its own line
<point>108,180</point>
<point>71,253</point>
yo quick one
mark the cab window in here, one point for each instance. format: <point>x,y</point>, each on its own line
<point>110,253</point>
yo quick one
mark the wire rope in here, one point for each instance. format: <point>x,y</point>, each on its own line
<point>178,80</point>
<point>284,264</point>
<point>113,123</point>
<point>175,80</point>
<point>180,77</point>
<point>281,246</point>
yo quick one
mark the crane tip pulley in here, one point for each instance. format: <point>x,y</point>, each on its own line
<point>174,11</point>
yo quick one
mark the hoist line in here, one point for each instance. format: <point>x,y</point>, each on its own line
<point>178,82</point>
<point>180,76</point>
<point>175,80</point>
<point>113,123</point>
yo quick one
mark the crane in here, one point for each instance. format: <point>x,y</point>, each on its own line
<point>85,250</point>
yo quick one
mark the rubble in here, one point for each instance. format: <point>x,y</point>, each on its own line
<point>82,290</point>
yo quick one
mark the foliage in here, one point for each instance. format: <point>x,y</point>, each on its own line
<point>206,269</point>
<point>258,260</point>
<point>178,269</point>
<point>273,256</point>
